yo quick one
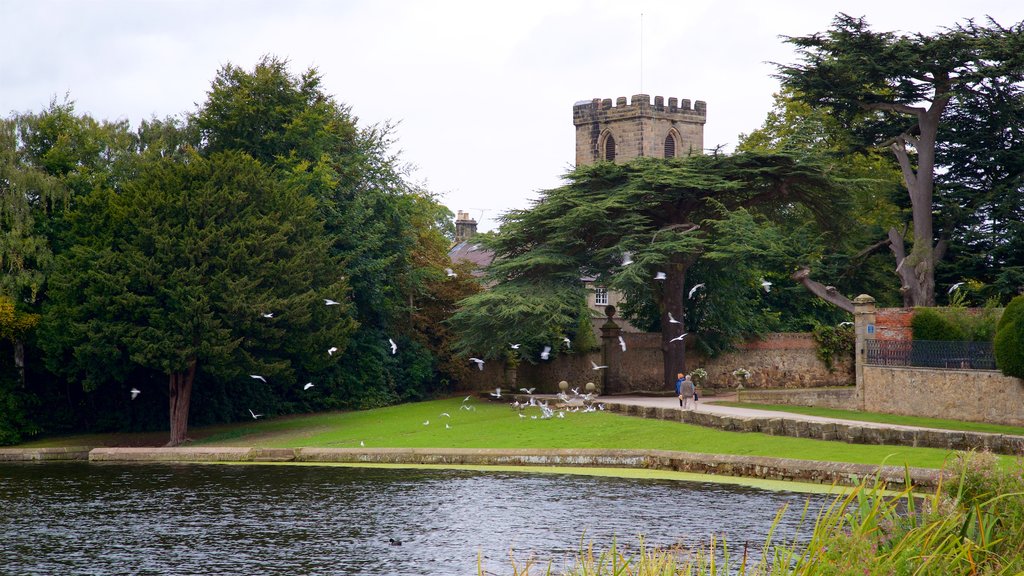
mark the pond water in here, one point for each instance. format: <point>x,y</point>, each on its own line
<point>80,518</point>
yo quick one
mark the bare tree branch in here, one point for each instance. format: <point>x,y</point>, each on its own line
<point>826,293</point>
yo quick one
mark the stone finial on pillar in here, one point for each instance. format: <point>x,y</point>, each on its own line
<point>611,354</point>
<point>864,328</point>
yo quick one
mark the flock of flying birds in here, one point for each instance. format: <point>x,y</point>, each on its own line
<point>544,355</point>
<point>330,352</point>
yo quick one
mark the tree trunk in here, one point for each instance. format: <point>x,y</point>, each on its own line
<point>19,360</point>
<point>674,352</point>
<point>180,398</point>
<point>917,269</point>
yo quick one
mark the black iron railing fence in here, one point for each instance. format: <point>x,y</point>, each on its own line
<point>931,354</point>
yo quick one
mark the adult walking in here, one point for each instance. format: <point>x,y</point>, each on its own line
<point>684,390</point>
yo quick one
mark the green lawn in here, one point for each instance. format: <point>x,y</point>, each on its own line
<point>494,425</point>
<point>885,418</point>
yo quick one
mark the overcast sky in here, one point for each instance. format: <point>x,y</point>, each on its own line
<point>481,92</point>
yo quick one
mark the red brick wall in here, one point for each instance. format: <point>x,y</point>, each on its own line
<point>894,324</point>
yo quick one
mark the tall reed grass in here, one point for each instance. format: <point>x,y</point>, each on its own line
<point>973,525</point>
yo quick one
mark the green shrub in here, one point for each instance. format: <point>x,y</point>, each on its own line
<point>930,324</point>
<point>1008,344</point>
<point>834,342</point>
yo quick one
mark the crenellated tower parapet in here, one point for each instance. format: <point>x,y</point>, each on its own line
<point>627,130</point>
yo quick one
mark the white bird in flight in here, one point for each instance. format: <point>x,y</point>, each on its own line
<point>479,362</point>
<point>254,415</point>
<point>528,390</point>
<point>568,343</point>
<point>496,393</point>
<point>766,285</point>
<point>446,415</point>
<point>596,367</point>
<point>267,314</point>
<point>307,386</point>
<point>694,289</point>
<point>659,276</point>
<point>622,343</point>
<point>466,399</point>
<point>627,258</point>
<point>546,353</point>
<point>332,350</point>
<point>847,323</point>
<point>672,320</point>
<point>394,347</point>
<point>426,422</point>
<point>329,302</point>
<point>514,346</point>
<point>258,377</point>
<point>451,273</point>
<point>680,337</point>
<point>954,287</point>
<point>135,392</point>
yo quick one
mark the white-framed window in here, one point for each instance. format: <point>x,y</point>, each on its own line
<point>601,296</point>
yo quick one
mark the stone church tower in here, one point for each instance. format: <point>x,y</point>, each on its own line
<point>625,131</point>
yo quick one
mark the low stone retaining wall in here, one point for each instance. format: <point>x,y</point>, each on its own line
<point>839,398</point>
<point>784,469</point>
<point>44,454</point>
<point>850,433</point>
<point>974,395</point>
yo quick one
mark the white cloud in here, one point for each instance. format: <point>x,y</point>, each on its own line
<point>483,91</point>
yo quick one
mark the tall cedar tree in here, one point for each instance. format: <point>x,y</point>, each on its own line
<point>892,91</point>
<point>665,214</point>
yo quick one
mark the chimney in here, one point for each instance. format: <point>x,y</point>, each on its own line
<point>465,227</point>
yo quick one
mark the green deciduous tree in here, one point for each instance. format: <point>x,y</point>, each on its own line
<point>892,91</point>
<point>174,272</point>
<point>666,216</point>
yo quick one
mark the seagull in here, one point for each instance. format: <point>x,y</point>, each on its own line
<point>267,314</point>
<point>680,337</point>
<point>521,415</point>
<point>847,323</point>
<point>672,320</point>
<point>466,399</point>
<point>568,343</point>
<point>394,347</point>
<point>135,392</point>
<point>528,390</point>
<point>254,415</point>
<point>446,415</point>
<point>659,276</point>
<point>622,343</point>
<point>307,386</point>
<point>258,377</point>
<point>514,346</point>
<point>596,367</point>
<point>451,273</point>
<point>954,287</point>
<point>447,426</point>
<point>329,302</point>
<point>479,362</point>
<point>627,258</point>
<point>332,350</point>
<point>546,353</point>
<point>496,393</point>
<point>426,422</point>
<point>766,285</point>
<point>694,289</point>
<point>361,443</point>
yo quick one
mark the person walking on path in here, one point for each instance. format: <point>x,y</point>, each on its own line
<point>684,390</point>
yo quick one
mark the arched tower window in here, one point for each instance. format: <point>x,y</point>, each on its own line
<point>609,148</point>
<point>670,146</point>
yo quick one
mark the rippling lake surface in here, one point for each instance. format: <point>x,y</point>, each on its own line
<point>164,519</point>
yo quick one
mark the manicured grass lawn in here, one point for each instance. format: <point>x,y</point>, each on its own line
<point>495,425</point>
<point>940,423</point>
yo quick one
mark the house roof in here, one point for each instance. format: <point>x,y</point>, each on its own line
<point>469,251</point>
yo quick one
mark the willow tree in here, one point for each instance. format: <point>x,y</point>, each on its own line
<point>625,223</point>
<point>893,92</point>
